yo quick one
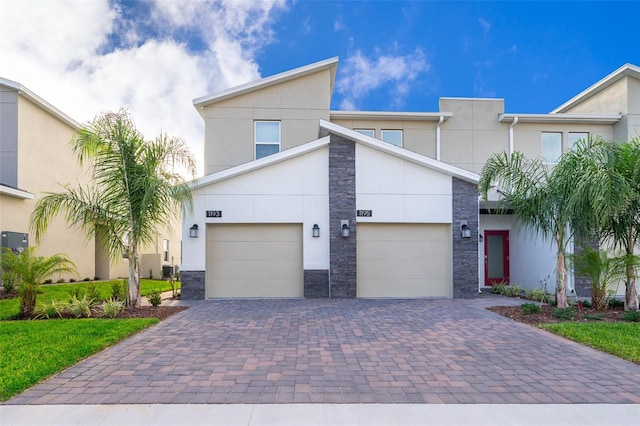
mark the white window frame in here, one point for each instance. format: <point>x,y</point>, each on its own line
<point>383,132</point>
<point>367,132</point>
<point>165,250</point>
<point>572,139</point>
<point>543,142</point>
<point>273,143</point>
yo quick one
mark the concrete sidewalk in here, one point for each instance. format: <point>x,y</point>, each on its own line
<point>321,414</point>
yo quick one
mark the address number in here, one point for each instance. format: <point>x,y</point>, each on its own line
<point>214,213</point>
<point>365,213</point>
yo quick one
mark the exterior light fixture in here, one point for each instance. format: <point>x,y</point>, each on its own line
<point>345,229</point>
<point>193,231</point>
<point>315,231</point>
<point>465,231</point>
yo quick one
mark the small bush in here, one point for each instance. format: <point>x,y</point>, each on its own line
<point>96,278</point>
<point>498,288</point>
<point>74,292</point>
<point>48,281</point>
<point>72,280</point>
<point>565,314</point>
<point>631,316</point>
<point>616,303</point>
<point>530,308</point>
<point>86,279</point>
<point>586,303</point>
<point>174,286</point>
<point>8,285</point>
<point>60,281</point>
<point>118,291</point>
<point>536,294</point>
<point>80,308</point>
<point>111,308</point>
<point>92,294</point>
<point>512,290</point>
<point>155,297</point>
<point>52,309</point>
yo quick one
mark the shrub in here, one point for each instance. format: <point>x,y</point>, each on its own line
<point>60,281</point>
<point>86,279</point>
<point>631,316</point>
<point>174,286</point>
<point>92,294</point>
<point>48,281</point>
<point>615,303</point>
<point>155,297</point>
<point>565,314</point>
<point>52,309</point>
<point>498,288</point>
<point>80,308</point>
<point>530,308</point>
<point>111,308</point>
<point>585,303</point>
<point>8,284</point>
<point>512,290</point>
<point>119,290</point>
<point>72,280</point>
<point>536,294</point>
<point>74,292</point>
<point>96,278</point>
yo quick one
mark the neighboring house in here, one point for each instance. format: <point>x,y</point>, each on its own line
<point>35,158</point>
<point>285,176</point>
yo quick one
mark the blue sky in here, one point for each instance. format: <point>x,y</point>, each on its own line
<point>154,57</point>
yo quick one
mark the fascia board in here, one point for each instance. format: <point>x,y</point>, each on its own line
<point>625,70</point>
<point>390,115</point>
<point>260,163</point>
<point>28,94</point>
<point>16,193</point>
<point>401,152</point>
<point>331,63</point>
<point>561,118</point>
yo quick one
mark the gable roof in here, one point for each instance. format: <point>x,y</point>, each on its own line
<point>28,94</point>
<point>627,70</point>
<point>330,64</point>
<point>325,129</point>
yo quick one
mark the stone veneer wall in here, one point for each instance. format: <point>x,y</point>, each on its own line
<point>465,250</point>
<point>192,285</point>
<point>342,206</point>
<point>316,283</point>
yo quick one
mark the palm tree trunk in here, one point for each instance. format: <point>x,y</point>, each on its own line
<point>561,276</point>
<point>134,277</point>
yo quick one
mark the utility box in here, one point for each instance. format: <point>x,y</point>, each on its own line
<point>15,241</point>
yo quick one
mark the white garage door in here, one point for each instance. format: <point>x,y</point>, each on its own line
<point>404,260</point>
<point>254,260</point>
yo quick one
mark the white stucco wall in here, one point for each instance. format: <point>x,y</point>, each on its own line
<point>292,191</point>
<point>398,191</point>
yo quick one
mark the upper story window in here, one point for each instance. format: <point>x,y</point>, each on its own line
<point>393,137</point>
<point>575,137</point>
<point>165,250</point>
<point>551,147</point>
<point>267,135</point>
<point>368,132</point>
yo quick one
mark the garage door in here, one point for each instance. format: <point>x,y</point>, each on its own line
<point>254,261</point>
<point>404,260</point>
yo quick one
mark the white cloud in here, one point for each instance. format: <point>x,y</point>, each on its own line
<point>338,24</point>
<point>361,75</point>
<point>486,26</point>
<point>88,56</point>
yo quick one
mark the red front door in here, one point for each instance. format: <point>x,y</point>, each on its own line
<point>496,257</point>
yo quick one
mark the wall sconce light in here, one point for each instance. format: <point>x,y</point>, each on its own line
<point>315,231</point>
<point>193,231</point>
<point>344,229</point>
<point>465,231</point>
<point>480,237</point>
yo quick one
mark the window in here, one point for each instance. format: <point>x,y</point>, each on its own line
<point>165,249</point>
<point>551,147</point>
<point>575,137</point>
<point>394,137</point>
<point>267,134</point>
<point>368,132</point>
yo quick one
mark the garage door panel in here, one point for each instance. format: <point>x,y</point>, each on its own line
<point>254,260</point>
<point>404,260</point>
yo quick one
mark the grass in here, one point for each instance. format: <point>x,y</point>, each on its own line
<point>31,351</point>
<point>617,338</point>
<point>10,308</point>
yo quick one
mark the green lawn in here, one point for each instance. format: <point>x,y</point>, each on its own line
<point>31,351</point>
<point>9,308</point>
<point>617,338</point>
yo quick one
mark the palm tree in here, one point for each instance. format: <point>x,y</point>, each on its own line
<point>28,270</point>
<point>134,189</point>
<point>537,195</point>
<point>608,189</point>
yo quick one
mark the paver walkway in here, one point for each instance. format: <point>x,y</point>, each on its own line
<point>343,351</point>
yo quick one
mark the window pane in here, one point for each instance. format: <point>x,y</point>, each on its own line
<point>575,137</point>
<point>392,136</point>
<point>551,147</point>
<point>267,131</point>
<point>368,132</point>
<point>262,150</point>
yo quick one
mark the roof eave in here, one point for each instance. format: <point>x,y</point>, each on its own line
<point>561,118</point>
<point>390,115</point>
<point>16,193</point>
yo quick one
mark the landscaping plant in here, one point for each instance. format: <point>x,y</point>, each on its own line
<point>112,307</point>
<point>155,297</point>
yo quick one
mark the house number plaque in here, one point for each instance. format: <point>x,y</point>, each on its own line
<point>364,213</point>
<point>214,213</point>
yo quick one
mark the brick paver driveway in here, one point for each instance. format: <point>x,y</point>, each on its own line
<point>343,351</point>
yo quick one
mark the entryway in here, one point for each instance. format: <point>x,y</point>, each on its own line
<point>496,257</point>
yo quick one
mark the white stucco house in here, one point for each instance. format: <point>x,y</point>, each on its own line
<point>299,200</point>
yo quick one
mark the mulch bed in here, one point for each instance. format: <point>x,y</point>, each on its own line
<point>546,315</point>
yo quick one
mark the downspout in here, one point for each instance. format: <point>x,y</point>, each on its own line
<point>440,121</point>
<point>515,121</point>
